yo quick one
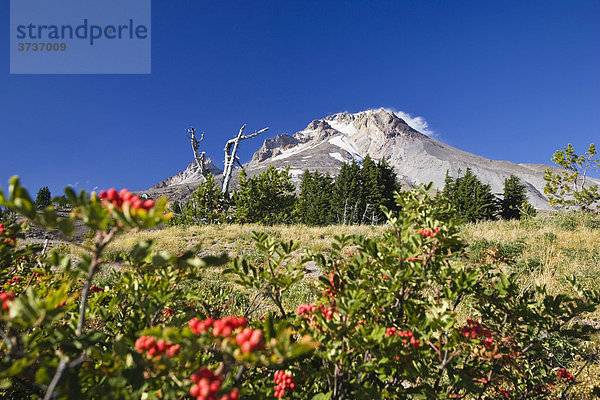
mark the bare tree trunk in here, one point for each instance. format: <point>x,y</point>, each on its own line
<point>231,148</point>
<point>200,158</point>
<point>355,214</point>
<point>362,220</point>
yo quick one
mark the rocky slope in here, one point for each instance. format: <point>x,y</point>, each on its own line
<point>190,175</point>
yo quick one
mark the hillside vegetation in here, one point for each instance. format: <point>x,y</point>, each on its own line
<point>419,307</point>
<point>546,250</point>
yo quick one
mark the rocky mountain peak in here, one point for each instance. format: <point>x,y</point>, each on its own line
<point>327,143</point>
<point>190,175</point>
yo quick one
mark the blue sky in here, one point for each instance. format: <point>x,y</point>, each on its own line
<point>507,80</point>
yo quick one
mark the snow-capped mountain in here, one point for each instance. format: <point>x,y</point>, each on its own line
<point>326,143</point>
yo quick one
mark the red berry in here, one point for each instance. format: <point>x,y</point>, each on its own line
<point>161,345</point>
<point>173,350</point>
<point>246,347</point>
<point>148,204</point>
<point>136,203</point>
<point>112,194</point>
<point>256,338</point>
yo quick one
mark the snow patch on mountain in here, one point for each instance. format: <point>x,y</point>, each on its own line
<point>293,151</point>
<point>344,143</point>
<point>337,156</point>
<point>345,128</point>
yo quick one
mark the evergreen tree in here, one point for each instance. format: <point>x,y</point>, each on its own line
<point>209,204</point>
<point>471,199</point>
<point>176,207</point>
<point>515,195</point>
<point>359,192</point>
<point>268,198</point>
<point>206,206</point>
<point>43,198</point>
<point>346,200</point>
<point>314,204</point>
<point>372,193</point>
<point>390,184</point>
<point>61,202</point>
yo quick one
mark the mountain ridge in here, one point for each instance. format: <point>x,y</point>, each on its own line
<point>326,143</point>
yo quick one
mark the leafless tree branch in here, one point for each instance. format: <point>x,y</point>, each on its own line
<point>231,148</point>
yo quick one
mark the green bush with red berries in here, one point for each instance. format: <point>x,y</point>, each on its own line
<point>400,316</point>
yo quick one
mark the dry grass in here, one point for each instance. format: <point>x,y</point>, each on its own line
<point>236,239</point>
<point>552,249</point>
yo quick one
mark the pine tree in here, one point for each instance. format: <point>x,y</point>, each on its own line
<point>359,192</point>
<point>372,193</point>
<point>471,199</point>
<point>390,184</point>
<point>515,195</point>
<point>206,206</point>
<point>314,203</point>
<point>347,200</point>
<point>268,198</point>
<point>43,198</point>
<point>209,203</point>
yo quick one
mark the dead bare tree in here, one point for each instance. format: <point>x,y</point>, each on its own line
<point>200,158</point>
<point>231,148</point>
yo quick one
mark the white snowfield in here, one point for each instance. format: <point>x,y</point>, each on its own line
<point>345,143</point>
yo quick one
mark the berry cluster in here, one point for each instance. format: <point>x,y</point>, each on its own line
<point>563,373</point>
<point>8,240</point>
<point>250,340</point>
<point>155,348</point>
<point>284,383</point>
<point>168,312</point>
<point>473,330</point>
<point>306,309</point>
<point>117,199</point>
<point>332,290</point>
<point>96,289</point>
<point>208,384</point>
<point>37,276</point>
<point>429,232</point>
<point>13,280</point>
<point>220,327</point>
<point>327,312</point>
<point>6,298</point>
<point>408,336</point>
